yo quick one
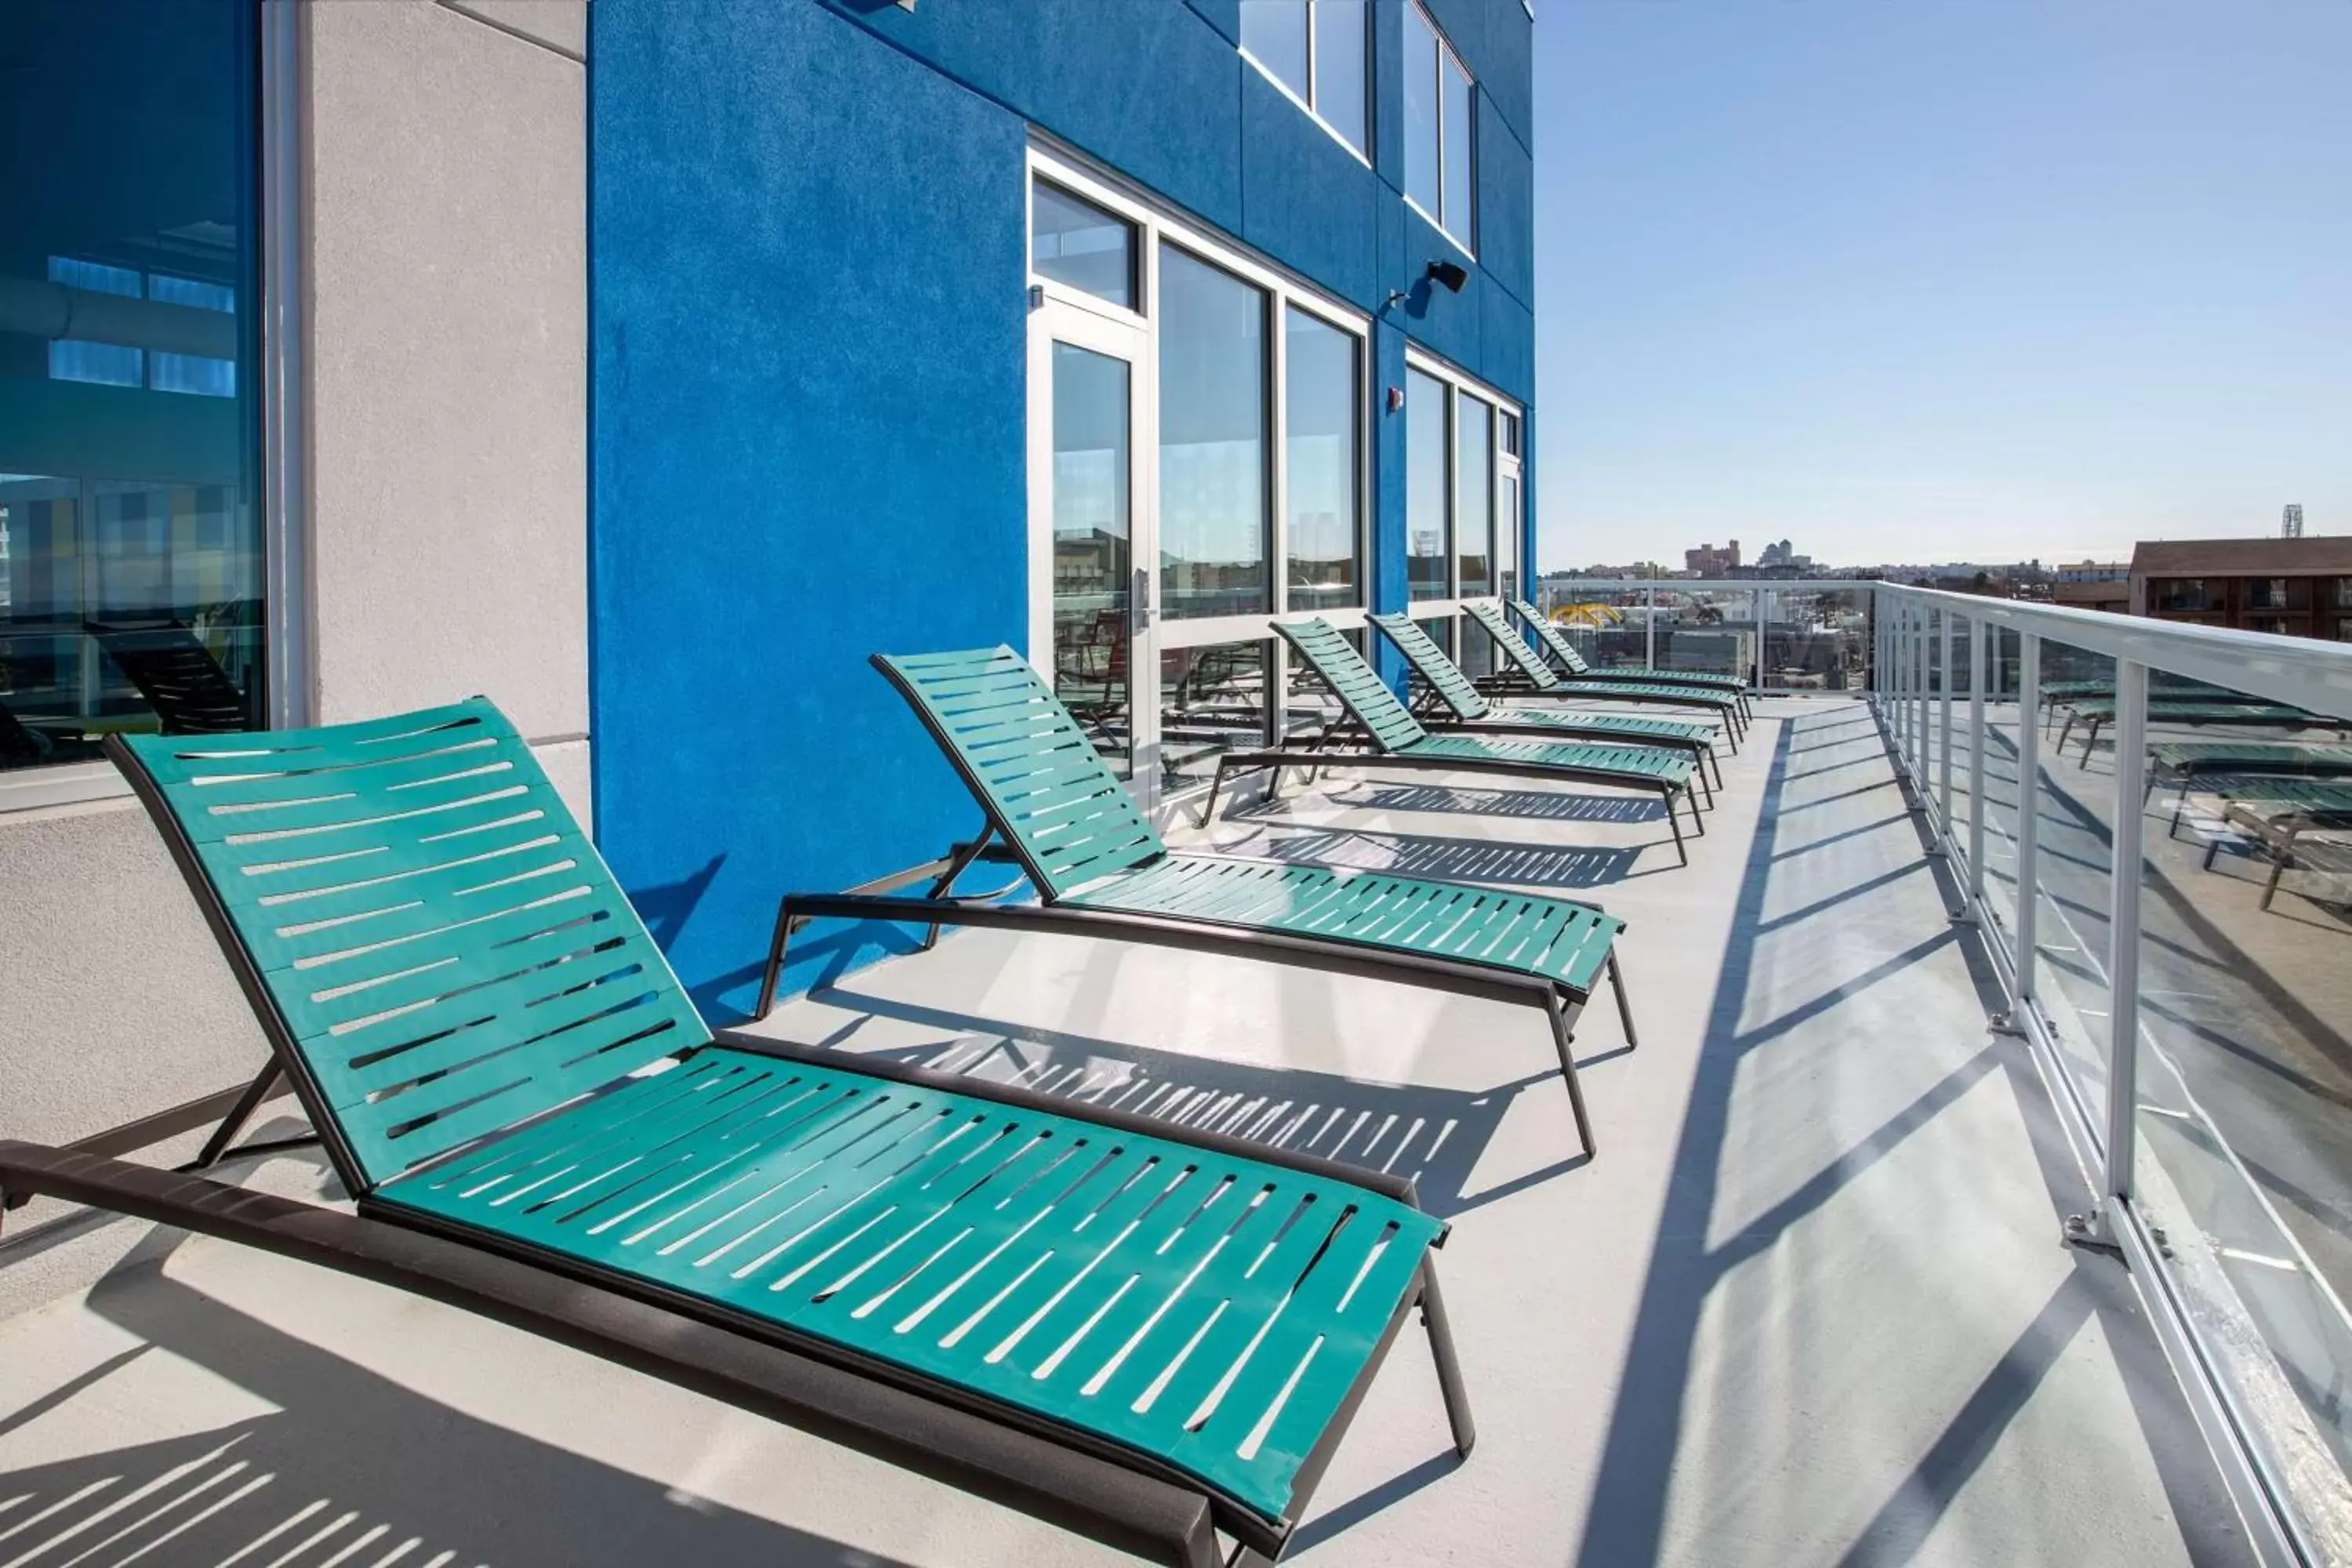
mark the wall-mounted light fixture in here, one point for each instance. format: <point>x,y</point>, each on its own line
<point>1448,275</point>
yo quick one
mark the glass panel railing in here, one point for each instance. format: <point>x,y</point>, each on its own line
<point>2245,1076</point>
<point>1815,639</point>
<point>2074,857</point>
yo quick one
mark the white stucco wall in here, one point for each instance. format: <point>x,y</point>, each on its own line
<point>447,372</point>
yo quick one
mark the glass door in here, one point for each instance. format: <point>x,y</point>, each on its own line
<point>1091,605</point>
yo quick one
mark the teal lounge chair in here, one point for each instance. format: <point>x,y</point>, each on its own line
<point>1054,809</point>
<point>1451,700</point>
<point>1397,741</point>
<point>2179,762</point>
<point>1527,672</point>
<point>1564,653</point>
<point>1123,1327</point>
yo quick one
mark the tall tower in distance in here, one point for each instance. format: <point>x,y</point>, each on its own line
<point>2291,521</point>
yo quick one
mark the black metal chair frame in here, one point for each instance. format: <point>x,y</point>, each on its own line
<point>1072,1480</point>
<point>938,906</point>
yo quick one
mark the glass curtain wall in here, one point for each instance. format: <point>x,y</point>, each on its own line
<point>1323,413</point>
<point>131,551</point>
<point>1428,516</point>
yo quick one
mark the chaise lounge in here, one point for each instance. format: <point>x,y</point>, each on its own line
<point>1140,1332</point>
<point>1526,673</point>
<point>1451,700</point>
<point>1055,810</point>
<point>1566,655</point>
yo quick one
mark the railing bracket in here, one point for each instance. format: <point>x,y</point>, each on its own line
<point>2090,1231</point>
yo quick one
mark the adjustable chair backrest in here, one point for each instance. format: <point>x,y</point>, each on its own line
<point>1552,638</point>
<point>1360,690</point>
<point>1042,783</point>
<point>1439,673</point>
<point>435,949</point>
<point>1526,660</point>
<point>178,676</point>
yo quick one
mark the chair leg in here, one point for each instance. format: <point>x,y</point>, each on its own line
<point>1565,1042</point>
<point>1216,783</point>
<point>1675,821</point>
<point>2270,888</point>
<point>1692,801</point>
<point>240,1114</point>
<point>1699,772</point>
<point>774,971</point>
<point>1624,1007</point>
<point>1449,1368</point>
<point>959,861</point>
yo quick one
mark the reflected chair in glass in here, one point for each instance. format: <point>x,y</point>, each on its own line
<point>1523,672</point>
<point>1098,870</point>
<point>1571,663</point>
<point>1383,735</point>
<point>1135,1330</point>
<point>2193,713</point>
<point>1450,700</point>
<point>177,677</point>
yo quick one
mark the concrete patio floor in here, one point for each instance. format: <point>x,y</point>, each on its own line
<point>1808,1305</point>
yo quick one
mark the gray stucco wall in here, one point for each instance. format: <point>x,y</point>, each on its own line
<point>445,363</point>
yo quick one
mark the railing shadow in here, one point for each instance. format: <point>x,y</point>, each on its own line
<point>1436,1136</point>
<point>352,1468</point>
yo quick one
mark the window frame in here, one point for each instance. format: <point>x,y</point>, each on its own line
<point>1459,384</point>
<point>1156,223</point>
<point>1314,84</point>
<point>281,472</point>
<point>1466,243</point>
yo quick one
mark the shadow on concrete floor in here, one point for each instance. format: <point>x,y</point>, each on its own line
<point>352,1469</point>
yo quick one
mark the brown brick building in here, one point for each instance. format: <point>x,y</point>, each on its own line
<point>2296,588</point>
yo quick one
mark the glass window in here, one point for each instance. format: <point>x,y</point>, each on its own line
<point>1073,241</point>
<point>1454,88</point>
<point>1428,521</point>
<point>2267,593</point>
<point>1342,83</point>
<point>1213,514</point>
<point>1440,139</point>
<point>1420,52</point>
<point>1317,49</point>
<point>1212,700</point>
<point>1510,434</point>
<point>1321,405</point>
<point>1474,511</point>
<point>1274,33</point>
<point>130,557</point>
<point>1093,488</point>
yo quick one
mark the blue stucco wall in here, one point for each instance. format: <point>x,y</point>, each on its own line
<point>808,382</point>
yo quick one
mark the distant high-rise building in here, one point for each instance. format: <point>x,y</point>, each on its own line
<point>1706,561</point>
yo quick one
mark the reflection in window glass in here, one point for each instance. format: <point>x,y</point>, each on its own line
<point>1092,489</point>
<point>1420,171</point>
<point>1319,404</point>
<point>1213,516</point>
<point>1475,507</point>
<point>1453,84</point>
<point>1341,78</point>
<point>1212,700</point>
<point>1275,33</point>
<point>1427,520</point>
<point>1074,242</point>
<point>130,544</point>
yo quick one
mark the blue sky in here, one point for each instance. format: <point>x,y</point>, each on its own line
<point>1938,281</point>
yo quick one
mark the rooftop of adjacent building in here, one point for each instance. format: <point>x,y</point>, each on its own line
<point>1810,1304</point>
<point>2319,556</point>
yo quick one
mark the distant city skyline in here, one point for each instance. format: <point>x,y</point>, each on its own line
<point>1935,283</point>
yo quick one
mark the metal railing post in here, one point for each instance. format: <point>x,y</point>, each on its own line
<point>1978,632</point>
<point>1944,721</point>
<point>1649,626</point>
<point>2029,789</point>
<point>2123,928</point>
<point>1758,604</point>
